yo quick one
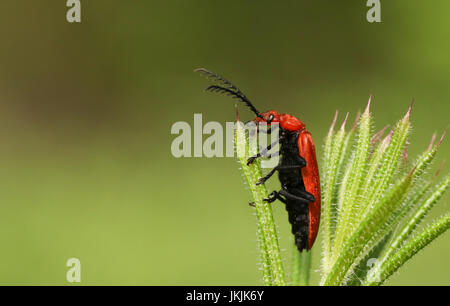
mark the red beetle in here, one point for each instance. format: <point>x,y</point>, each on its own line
<point>297,171</point>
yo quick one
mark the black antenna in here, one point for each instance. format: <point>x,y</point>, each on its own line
<point>227,88</point>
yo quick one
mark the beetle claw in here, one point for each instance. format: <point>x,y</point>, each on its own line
<point>271,198</point>
<point>251,160</point>
<point>260,181</point>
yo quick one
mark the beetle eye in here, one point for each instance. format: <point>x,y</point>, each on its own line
<point>270,118</point>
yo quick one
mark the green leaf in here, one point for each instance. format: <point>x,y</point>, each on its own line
<point>394,219</point>
<point>415,220</point>
<point>333,152</point>
<point>390,162</point>
<point>379,274</point>
<point>370,225</point>
<point>352,184</point>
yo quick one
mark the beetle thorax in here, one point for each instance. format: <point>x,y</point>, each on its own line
<point>286,121</point>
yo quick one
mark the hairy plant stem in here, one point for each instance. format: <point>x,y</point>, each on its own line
<point>301,267</point>
<point>272,266</point>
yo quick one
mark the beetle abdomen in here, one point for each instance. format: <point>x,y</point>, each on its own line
<point>298,217</point>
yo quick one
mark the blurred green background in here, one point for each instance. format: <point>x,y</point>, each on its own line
<point>86,111</point>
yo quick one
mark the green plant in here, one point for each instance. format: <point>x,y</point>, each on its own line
<point>271,262</point>
<point>373,200</point>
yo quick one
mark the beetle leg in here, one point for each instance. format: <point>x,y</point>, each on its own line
<point>269,129</point>
<point>273,196</point>
<point>266,131</point>
<point>272,172</point>
<point>283,200</point>
<point>305,196</point>
<point>272,155</point>
<point>262,153</point>
<point>268,176</point>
